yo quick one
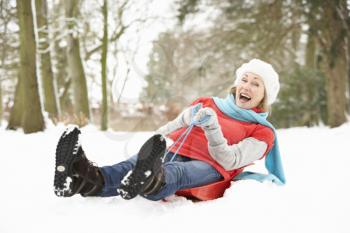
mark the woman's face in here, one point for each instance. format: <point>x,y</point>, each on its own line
<point>250,91</point>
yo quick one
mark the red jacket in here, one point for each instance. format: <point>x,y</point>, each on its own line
<point>196,147</point>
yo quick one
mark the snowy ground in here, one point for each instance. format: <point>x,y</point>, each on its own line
<point>315,199</point>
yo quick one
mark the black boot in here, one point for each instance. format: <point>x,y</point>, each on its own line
<point>148,165</point>
<point>155,184</point>
<point>74,173</point>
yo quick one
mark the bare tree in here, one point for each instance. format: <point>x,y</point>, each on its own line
<point>50,99</point>
<point>59,57</point>
<point>95,46</point>
<point>8,52</point>
<point>332,40</point>
<point>32,119</point>
<point>104,116</point>
<point>75,66</point>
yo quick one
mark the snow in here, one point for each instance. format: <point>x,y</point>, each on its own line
<point>148,173</point>
<point>315,198</point>
<point>66,189</point>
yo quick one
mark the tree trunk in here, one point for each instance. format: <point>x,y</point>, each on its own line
<point>0,104</point>
<point>348,73</point>
<point>16,113</point>
<point>310,62</point>
<point>336,99</point>
<point>3,57</point>
<point>50,99</point>
<point>310,53</point>
<point>104,110</point>
<point>63,81</point>
<point>335,64</point>
<point>75,66</point>
<point>32,119</point>
<point>347,17</point>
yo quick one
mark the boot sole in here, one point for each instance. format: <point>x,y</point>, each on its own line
<point>151,151</point>
<point>66,155</point>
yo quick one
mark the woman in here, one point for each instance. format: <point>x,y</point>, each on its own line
<point>233,135</point>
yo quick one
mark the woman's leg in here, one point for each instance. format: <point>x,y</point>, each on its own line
<point>183,175</point>
<point>113,176</point>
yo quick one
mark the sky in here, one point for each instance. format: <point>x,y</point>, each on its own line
<point>163,16</point>
<point>164,13</point>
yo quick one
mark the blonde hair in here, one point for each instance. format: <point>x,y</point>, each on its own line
<point>263,104</point>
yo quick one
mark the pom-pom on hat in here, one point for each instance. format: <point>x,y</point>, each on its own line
<point>266,72</point>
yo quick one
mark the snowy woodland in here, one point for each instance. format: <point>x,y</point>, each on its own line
<point>120,69</point>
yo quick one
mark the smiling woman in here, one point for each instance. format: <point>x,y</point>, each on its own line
<point>233,136</point>
<point>242,98</point>
<point>250,91</point>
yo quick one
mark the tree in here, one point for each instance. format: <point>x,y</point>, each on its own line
<point>247,29</point>
<point>0,104</point>
<point>75,66</point>
<point>59,58</point>
<point>100,43</point>
<point>104,114</point>
<point>3,56</point>
<point>302,98</point>
<point>50,99</point>
<point>8,52</point>
<point>16,113</point>
<point>174,74</point>
<point>331,38</point>
<point>32,118</point>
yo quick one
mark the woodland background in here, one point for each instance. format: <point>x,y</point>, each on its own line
<point>59,60</point>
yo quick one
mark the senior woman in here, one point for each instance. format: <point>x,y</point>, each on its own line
<point>234,134</point>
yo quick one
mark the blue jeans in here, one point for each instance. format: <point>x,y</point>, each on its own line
<point>181,173</point>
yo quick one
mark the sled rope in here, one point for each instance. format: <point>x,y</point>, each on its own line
<point>185,134</point>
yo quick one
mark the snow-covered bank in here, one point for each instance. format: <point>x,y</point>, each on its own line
<point>315,198</point>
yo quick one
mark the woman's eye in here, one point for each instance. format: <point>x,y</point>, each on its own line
<point>256,84</point>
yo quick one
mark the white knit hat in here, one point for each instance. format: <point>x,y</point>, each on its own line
<point>266,72</point>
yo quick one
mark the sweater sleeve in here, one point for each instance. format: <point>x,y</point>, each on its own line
<point>237,155</point>
<point>182,120</point>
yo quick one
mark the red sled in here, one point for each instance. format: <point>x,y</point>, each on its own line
<point>209,191</point>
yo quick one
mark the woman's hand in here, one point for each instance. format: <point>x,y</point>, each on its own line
<point>182,120</point>
<point>186,116</point>
<point>207,118</point>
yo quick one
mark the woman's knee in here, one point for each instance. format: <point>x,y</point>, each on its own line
<point>174,171</point>
<point>181,174</point>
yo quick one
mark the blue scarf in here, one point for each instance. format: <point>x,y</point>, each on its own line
<point>273,162</point>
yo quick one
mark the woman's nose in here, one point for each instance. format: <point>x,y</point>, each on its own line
<point>246,86</point>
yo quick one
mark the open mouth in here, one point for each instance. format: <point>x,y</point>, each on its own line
<point>244,98</point>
